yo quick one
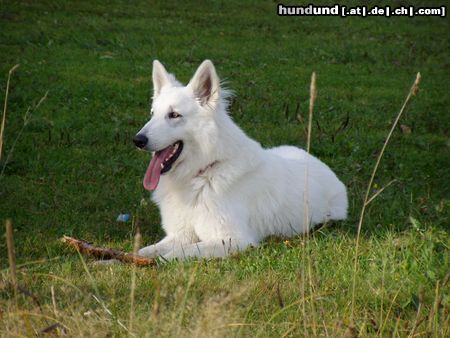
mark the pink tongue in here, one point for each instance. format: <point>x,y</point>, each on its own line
<point>153,173</point>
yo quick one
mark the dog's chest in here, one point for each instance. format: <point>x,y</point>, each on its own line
<point>198,209</point>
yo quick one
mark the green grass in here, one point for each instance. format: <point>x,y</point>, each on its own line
<point>74,168</point>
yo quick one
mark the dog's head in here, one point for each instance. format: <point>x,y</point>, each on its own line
<point>181,118</point>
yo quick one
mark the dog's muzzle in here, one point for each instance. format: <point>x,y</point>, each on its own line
<point>140,140</point>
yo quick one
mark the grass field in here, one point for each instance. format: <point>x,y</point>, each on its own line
<point>69,167</point>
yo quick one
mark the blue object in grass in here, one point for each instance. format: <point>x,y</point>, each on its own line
<point>123,218</point>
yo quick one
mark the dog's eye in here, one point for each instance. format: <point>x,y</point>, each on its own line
<point>173,115</point>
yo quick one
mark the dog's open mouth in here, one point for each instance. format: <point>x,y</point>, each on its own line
<point>161,163</point>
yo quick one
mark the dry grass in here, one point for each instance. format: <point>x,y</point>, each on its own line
<point>136,246</point>
<point>367,199</point>
<point>11,257</point>
<point>189,307</point>
<point>26,119</point>
<point>5,107</point>
<point>308,275</point>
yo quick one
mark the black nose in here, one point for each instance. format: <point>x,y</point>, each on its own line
<point>140,140</point>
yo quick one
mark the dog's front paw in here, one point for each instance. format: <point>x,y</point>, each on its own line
<point>107,262</point>
<point>149,251</point>
<point>168,256</point>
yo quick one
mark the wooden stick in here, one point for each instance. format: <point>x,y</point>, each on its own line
<point>107,253</point>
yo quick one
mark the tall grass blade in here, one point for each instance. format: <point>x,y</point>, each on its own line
<point>5,106</point>
<point>412,92</point>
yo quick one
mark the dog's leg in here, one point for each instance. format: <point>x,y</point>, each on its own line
<point>212,248</point>
<point>167,244</point>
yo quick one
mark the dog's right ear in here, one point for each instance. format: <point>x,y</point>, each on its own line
<point>160,78</point>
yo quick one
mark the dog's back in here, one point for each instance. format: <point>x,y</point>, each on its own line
<point>273,193</point>
<point>316,169</point>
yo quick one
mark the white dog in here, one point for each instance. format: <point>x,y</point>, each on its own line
<point>218,190</point>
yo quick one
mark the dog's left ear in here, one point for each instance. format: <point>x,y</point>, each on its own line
<point>206,84</point>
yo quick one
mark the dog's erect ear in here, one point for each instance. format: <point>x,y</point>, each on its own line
<point>160,78</point>
<point>206,84</point>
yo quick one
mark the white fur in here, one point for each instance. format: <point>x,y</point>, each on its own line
<point>225,192</point>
